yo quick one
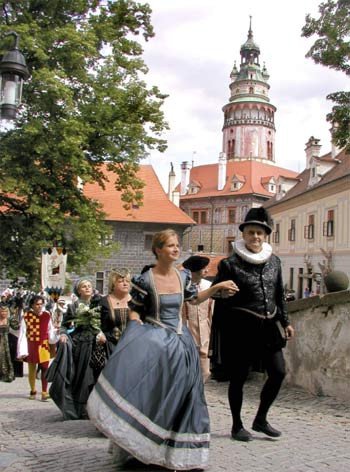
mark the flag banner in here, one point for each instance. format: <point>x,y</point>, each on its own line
<point>53,270</point>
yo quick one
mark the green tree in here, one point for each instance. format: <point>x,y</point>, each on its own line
<point>85,105</point>
<point>332,49</point>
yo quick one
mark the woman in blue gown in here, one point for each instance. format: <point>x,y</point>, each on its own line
<point>149,399</point>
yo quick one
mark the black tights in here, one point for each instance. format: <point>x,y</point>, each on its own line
<point>275,368</point>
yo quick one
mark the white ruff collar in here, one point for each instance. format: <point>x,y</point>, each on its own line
<point>261,257</point>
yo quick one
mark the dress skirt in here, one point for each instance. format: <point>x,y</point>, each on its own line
<point>149,398</point>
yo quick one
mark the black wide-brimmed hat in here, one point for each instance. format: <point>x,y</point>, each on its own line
<point>258,216</point>
<point>196,263</point>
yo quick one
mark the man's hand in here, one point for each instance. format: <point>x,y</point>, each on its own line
<point>290,331</point>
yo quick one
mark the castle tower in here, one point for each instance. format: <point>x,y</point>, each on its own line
<point>249,128</point>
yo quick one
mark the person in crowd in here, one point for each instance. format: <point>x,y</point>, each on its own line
<point>6,366</point>
<point>251,319</point>
<point>198,317</point>
<point>35,336</point>
<point>74,372</point>
<point>149,399</point>
<point>58,312</point>
<point>15,321</point>
<point>114,310</point>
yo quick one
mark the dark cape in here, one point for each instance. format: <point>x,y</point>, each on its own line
<point>71,372</point>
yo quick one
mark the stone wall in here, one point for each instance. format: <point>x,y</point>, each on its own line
<point>318,358</point>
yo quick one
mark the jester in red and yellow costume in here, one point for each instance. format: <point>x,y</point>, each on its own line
<point>36,335</point>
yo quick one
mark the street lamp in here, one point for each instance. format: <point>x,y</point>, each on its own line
<point>13,71</point>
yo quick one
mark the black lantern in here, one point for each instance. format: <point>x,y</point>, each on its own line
<point>13,71</point>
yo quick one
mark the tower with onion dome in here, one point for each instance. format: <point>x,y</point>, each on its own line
<point>249,125</point>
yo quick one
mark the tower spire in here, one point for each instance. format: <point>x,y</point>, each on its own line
<point>250,32</point>
<point>249,129</point>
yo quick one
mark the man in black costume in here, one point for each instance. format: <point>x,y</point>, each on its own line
<point>254,325</point>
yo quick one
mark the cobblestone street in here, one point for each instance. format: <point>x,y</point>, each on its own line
<point>316,435</point>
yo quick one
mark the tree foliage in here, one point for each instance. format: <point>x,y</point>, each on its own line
<point>85,104</point>
<point>332,49</point>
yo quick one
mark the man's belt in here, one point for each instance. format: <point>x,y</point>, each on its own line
<point>268,315</point>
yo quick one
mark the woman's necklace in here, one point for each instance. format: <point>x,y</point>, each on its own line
<point>119,302</point>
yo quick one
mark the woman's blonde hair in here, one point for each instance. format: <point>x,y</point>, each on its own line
<point>159,239</point>
<point>117,274</point>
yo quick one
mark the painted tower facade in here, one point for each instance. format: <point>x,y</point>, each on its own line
<point>249,124</point>
<point>217,196</point>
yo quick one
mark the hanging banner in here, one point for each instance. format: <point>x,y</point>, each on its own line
<point>53,270</point>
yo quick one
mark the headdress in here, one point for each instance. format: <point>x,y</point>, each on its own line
<point>79,282</point>
<point>196,263</point>
<point>258,216</point>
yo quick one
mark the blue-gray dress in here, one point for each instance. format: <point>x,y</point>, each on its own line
<point>149,398</point>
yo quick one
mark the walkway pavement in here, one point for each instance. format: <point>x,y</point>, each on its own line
<point>316,435</point>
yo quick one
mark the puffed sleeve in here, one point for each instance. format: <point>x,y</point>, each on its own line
<point>190,290</point>
<point>140,297</point>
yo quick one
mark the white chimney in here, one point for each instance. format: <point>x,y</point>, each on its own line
<point>312,150</point>
<point>171,182</point>
<point>222,171</point>
<point>176,198</point>
<point>335,149</point>
<point>185,177</point>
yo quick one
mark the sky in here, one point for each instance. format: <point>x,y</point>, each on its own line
<point>192,54</point>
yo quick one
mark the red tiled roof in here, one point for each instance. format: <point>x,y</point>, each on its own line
<point>252,171</point>
<point>156,208</point>
<point>340,169</point>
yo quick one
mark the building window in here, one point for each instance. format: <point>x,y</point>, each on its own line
<point>244,212</point>
<point>148,242</point>
<point>291,278</point>
<point>204,217</point>
<point>328,226</point>
<point>106,240</point>
<point>309,229</point>
<point>100,281</point>
<point>217,215</point>
<point>291,231</point>
<point>276,234</point>
<point>232,215</point>
<point>200,216</point>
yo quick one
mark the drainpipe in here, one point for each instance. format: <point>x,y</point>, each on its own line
<point>211,225</point>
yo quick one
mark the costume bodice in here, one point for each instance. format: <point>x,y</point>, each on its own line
<point>169,307</point>
<point>164,308</point>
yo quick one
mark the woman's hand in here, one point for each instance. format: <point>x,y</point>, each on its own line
<point>228,288</point>
<point>101,338</point>
<point>63,338</point>
<point>133,316</point>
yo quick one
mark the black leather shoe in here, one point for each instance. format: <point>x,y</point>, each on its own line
<point>241,435</point>
<point>266,428</point>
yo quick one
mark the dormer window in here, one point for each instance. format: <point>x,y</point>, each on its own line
<point>235,186</point>
<point>237,182</point>
<point>193,188</point>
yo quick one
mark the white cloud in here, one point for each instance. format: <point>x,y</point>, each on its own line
<point>192,54</point>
